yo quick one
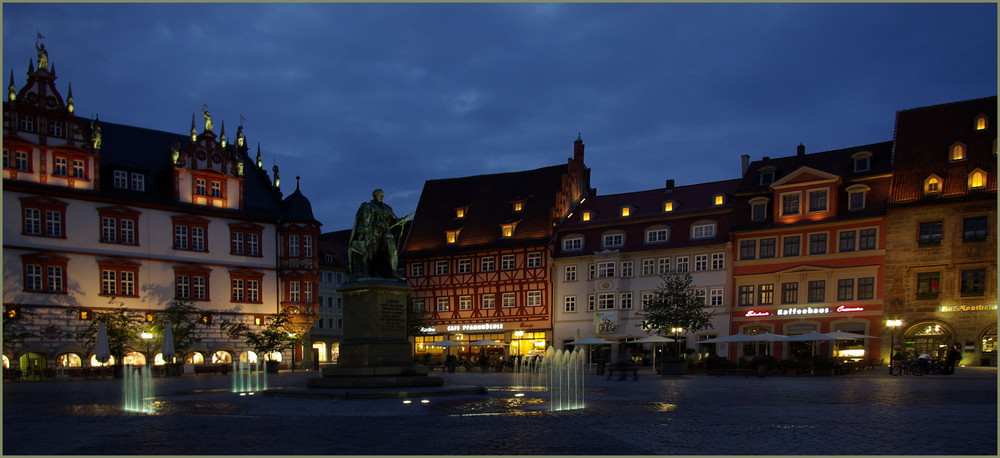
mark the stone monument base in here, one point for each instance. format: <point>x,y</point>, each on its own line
<point>375,352</point>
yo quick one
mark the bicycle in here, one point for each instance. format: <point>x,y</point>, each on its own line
<point>908,367</point>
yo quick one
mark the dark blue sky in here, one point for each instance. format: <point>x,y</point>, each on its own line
<point>354,96</point>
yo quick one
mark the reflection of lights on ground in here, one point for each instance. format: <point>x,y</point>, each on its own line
<point>407,401</point>
<point>665,406</point>
<point>519,395</point>
<point>425,401</point>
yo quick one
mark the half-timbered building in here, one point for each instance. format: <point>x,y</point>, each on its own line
<point>478,254</point>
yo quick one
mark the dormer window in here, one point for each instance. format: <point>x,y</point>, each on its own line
<point>460,212</point>
<point>856,196</point>
<point>585,216</point>
<point>758,208</point>
<point>817,200</point>
<point>668,206</point>
<point>626,211</point>
<point>517,206</point>
<point>977,179</point>
<point>767,175</point>
<point>862,161</point>
<point>718,200</point>
<point>957,152</point>
<point>982,122</point>
<point>507,230</point>
<point>932,185</point>
<point>452,236</point>
<point>613,240</point>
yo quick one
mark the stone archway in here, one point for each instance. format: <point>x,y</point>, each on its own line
<point>928,336</point>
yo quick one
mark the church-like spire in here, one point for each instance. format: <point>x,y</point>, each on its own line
<point>260,160</point>
<point>222,139</point>
<point>69,99</point>
<point>194,130</point>
<point>11,89</point>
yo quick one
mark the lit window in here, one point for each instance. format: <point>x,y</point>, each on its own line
<point>977,179</point>
<point>718,200</point>
<point>982,122</point>
<point>507,230</point>
<point>957,152</point>
<point>586,216</point>
<point>460,212</point>
<point>626,211</point>
<point>451,236</point>
<point>518,206</point>
<point>932,185</point>
<point>668,206</point>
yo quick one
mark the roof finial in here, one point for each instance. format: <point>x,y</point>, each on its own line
<point>223,133</point>
<point>579,136</point>
<point>11,88</point>
<point>297,182</point>
<point>260,161</point>
<point>69,99</point>
<point>194,131</point>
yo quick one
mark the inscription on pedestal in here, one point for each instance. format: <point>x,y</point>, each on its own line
<point>392,316</point>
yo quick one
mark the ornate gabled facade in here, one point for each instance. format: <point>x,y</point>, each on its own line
<point>610,253</point>
<point>478,250</point>
<point>941,269</point>
<point>100,214</point>
<point>808,241</point>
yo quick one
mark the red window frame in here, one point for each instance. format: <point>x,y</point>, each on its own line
<point>241,247</point>
<point>239,281</point>
<point>119,214</point>
<point>118,266</point>
<point>44,205</point>
<point>191,272</point>
<point>44,260</point>
<point>189,222</point>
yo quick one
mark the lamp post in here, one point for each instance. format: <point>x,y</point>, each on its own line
<point>677,343</point>
<point>892,338</point>
<point>147,337</point>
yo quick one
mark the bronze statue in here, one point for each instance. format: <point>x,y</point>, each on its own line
<point>374,244</point>
<point>43,56</point>
<point>208,117</point>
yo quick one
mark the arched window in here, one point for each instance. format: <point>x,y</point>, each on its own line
<point>957,152</point>
<point>930,337</point>
<point>932,185</point>
<point>982,122</point>
<point>977,179</point>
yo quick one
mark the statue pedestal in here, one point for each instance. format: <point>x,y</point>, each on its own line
<point>375,352</point>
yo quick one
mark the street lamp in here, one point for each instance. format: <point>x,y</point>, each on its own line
<point>677,343</point>
<point>892,338</point>
<point>147,337</point>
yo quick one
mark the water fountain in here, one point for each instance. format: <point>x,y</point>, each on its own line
<point>564,379</point>
<point>137,389</point>
<point>249,377</point>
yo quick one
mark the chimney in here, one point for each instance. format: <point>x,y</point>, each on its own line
<point>745,162</point>
<point>670,185</point>
<point>801,150</point>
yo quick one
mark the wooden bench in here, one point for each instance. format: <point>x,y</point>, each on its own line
<point>721,372</point>
<point>622,369</point>
<point>210,369</point>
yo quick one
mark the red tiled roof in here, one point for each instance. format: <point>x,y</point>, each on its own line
<point>924,137</point>
<point>489,201</point>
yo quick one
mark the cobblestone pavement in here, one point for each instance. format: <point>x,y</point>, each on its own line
<point>869,413</point>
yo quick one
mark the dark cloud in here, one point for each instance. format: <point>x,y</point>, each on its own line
<point>357,96</point>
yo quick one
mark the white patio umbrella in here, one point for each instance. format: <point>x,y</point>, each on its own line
<point>810,337</point>
<point>841,335</point>
<point>654,339</point>
<point>168,343</point>
<point>589,341</point>
<point>735,338</point>
<point>443,343</point>
<point>103,351</point>
<point>768,337</point>
<point>487,343</point>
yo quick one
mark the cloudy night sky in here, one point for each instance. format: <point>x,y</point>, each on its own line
<point>354,96</point>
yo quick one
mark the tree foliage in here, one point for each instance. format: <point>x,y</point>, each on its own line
<point>272,338</point>
<point>16,324</point>
<point>123,326</point>
<point>416,320</point>
<point>675,304</point>
<point>184,318</point>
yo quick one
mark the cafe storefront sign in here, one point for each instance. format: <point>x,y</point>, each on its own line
<point>969,308</point>
<point>790,311</point>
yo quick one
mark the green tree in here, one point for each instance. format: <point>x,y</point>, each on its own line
<point>123,326</point>
<point>416,320</point>
<point>272,338</point>
<point>185,319</point>
<point>675,304</point>
<point>16,322</point>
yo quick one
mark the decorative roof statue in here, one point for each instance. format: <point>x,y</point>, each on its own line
<point>43,55</point>
<point>208,117</point>
<point>95,134</point>
<point>175,153</point>
<point>277,180</point>
<point>374,245</point>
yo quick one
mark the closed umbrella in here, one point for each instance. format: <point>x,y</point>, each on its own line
<point>103,351</point>
<point>168,343</point>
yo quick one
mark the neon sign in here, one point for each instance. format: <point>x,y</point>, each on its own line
<point>969,308</point>
<point>804,311</point>
<point>844,308</point>
<point>756,313</point>
<point>476,327</point>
